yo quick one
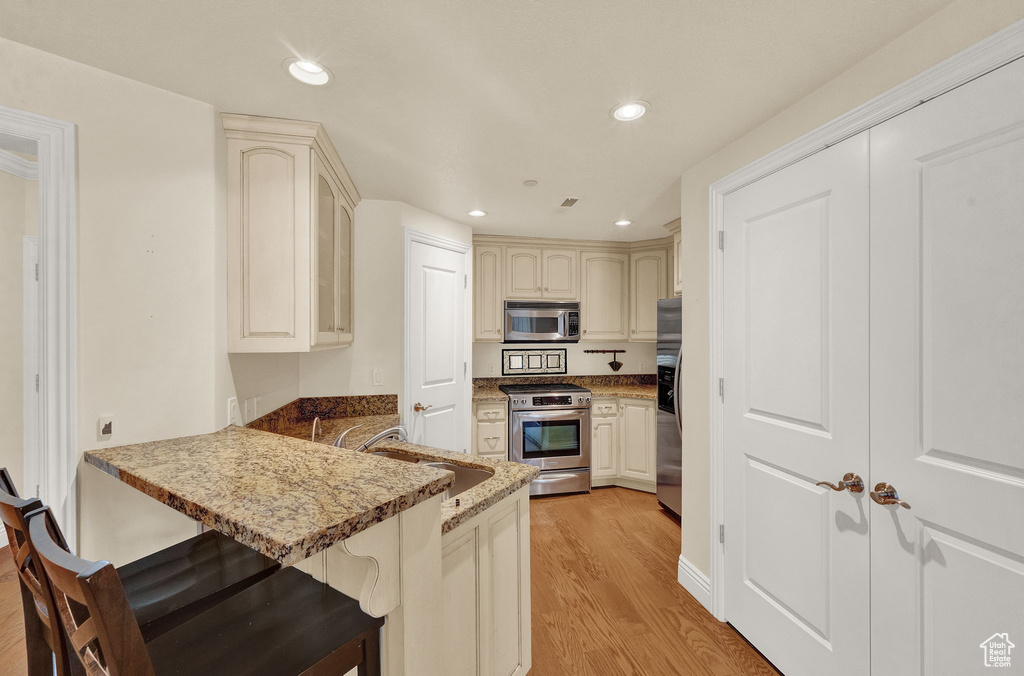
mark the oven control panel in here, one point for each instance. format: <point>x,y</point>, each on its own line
<point>520,402</point>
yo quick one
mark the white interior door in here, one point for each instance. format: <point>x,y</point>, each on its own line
<point>796,412</point>
<point>437,366</point>
<point>947,380</point>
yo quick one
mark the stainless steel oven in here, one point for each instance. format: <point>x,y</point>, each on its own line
<point>549,427</point>
<point>534,321</point>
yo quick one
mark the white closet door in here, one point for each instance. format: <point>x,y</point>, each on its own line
<point>796,412</point>
<point>947,380</point>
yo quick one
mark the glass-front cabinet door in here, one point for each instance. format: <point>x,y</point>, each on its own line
<point>332,256</point>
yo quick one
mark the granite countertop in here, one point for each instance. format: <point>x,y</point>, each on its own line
<point>630,387</point>
<point>508,476</point>
<point>284,497</point>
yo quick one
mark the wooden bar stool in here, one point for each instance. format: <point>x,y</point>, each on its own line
<point>285,625</point>
<point>163,589</point>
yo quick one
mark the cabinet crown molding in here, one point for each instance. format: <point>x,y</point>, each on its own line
<point>298,132</point>
<point>579,244</point>
<point>674,226</point>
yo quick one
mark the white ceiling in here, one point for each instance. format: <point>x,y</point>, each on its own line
<point>449,105</point>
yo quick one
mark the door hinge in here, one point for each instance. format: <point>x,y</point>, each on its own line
<point>721,240</point>
<point>465,368</point>
<point>465,281</point>
<point>721,533</point>
<point>37,490</point>
<point>721,388</point>
<point>37,382</point>
<point>37,272</point>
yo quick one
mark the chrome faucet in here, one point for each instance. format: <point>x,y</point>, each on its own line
<point>316,423</point>
<point>396,431</point>
<point>340,441</point>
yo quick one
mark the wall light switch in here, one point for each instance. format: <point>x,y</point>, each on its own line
<point>257,407</point>
<point>492,369</point>
<point>378,377</point>
<point>250,411</point>
<point>104,428</point>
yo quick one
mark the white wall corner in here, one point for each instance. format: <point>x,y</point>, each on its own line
<point>695,582</point>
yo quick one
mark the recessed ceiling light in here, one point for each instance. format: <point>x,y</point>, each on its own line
<point>630,111</point>
<point>623,223</point>
<point>476,213</point>
<point>308,72</point>
<point>530,183</point>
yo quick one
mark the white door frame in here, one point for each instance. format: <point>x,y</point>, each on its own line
<point>415,236</point>
<point>989,54</point>
<point>31,344</point>
<point>58,352</point>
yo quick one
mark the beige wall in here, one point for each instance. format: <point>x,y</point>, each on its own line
<point>151,350</point>
<point>18,199</point>
<point>379,302</point>
<point>949,31</point>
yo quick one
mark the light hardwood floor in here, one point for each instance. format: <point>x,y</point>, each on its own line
<point>605,597</point>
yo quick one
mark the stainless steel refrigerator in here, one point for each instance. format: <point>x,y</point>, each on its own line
<point>670,448</point>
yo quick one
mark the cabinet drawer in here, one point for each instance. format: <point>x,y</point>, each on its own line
<point>602,407</point>
<point>489,412</point>
<point>491,438</point>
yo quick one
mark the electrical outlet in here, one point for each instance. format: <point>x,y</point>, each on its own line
<point>104,428</point>
<point>643,366</point>
<point>378,377</point>
<point>492,369</point>
<point>234,412</point>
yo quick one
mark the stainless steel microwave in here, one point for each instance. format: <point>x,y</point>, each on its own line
<point>534,321</point>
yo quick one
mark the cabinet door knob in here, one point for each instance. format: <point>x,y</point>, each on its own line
<point>634,330</point>
<point>538,288</point>
<point>584,330</point>
<point>545,288</point>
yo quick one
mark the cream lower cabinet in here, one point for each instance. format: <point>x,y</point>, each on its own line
<point>485,590</point>
<point>604,449</point>
<point>624,443</point>
<point>290,233</point>
<point>490,430</point>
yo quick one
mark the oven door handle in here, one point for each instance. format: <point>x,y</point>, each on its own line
<point>565,414</point>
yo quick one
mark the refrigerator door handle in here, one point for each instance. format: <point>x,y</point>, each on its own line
<point>676,393</point>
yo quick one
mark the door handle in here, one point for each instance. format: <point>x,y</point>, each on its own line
<point>850,482</point>
<point>420,407</point>
<point>885,494</point>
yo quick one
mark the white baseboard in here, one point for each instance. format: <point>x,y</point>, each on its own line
<point>695,582</point>
<point>625,482</point>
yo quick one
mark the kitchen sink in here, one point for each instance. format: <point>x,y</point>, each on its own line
<point>465,477</point>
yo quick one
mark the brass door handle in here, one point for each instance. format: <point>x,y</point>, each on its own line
<point>850,482</point>
<point>420,407</point>
<point>885,494</point>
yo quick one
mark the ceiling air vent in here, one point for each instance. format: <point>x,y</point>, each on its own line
<point>570,201</point>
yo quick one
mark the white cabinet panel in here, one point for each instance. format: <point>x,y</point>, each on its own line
<point>490,430</point>
<point>487,293</point>
<point>648,274</point>
<point>559,274</point>
<point>604,295</point>
<point>523,273</point>
<point>638,441</point>
<point>605,446</point>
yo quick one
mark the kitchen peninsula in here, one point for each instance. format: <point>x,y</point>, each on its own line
<point>377,529</point>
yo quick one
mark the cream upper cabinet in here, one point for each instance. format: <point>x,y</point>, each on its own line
<point>677,265</point>
<point>523,273</point>
<point>559,278</point>
<point>290,233</point>
<point>487,300</point>
<point>648,277</point>
<point>639,445</point>
<point>604,295</point>
<point>541,273</point>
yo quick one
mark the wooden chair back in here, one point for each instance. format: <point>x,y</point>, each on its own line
<point>91,604</point>
<point>42,630</point>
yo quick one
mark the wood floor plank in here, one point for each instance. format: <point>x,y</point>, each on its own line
<point>611,602</point>
<point>13,657</point>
